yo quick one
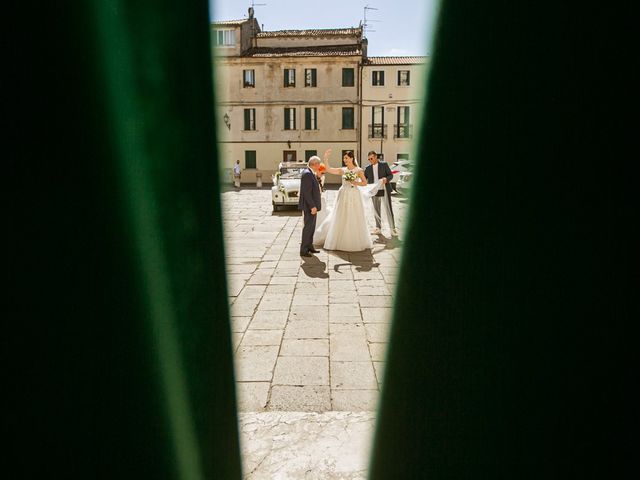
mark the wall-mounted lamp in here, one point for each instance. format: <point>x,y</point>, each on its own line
<point>226,121</point>
<point>289,143</point>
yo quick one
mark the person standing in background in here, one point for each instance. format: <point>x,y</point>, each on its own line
<point>236,174</point>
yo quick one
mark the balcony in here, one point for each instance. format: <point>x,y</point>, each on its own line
<point>403,130</point>
<point>377,130</point>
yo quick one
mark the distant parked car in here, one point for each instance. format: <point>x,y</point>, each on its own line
<point>397,168</point>
<point>286,184</point>
<point>404,182</point>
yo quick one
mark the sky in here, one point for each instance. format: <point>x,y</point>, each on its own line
<point>397,27</point>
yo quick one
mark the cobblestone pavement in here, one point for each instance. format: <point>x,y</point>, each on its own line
<point>309,334</point>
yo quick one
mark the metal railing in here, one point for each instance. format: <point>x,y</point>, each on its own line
<point>403,130</point>
<point>377,130</point>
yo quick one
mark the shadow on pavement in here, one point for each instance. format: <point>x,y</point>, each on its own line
<point>314,268</point>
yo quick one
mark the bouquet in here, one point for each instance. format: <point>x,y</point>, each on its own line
<point>322,168</point>
<point>349,176</point>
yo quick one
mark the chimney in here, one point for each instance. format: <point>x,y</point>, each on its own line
<point>365,44</point>
<point>250,13</point>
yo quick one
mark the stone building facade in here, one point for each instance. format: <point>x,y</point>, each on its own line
<point>289,94</point>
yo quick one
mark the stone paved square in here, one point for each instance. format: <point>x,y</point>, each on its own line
<point>309,334</point>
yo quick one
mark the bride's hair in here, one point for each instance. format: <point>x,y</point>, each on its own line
<point>349,154</point>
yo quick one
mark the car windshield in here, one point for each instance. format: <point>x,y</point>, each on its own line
<point>292,172</point>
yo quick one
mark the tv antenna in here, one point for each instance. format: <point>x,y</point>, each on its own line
<point>365,23</point>
<point>252,7</point>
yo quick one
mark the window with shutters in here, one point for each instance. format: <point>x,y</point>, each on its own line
<point>348,77</point>
<point>310,118</point>
<point>250,159</point>
<point>289,77</point>
<point>377,78</point>
<point>289,118</point>
<point>403,78</point>
<point>249,78</point>
<point>224,38</point>
<point>403,128</point>
<point>310,77</point>
<point>377,128</point>
<point>309,153</point>
<point>249,118</point>
<point>347,118</point>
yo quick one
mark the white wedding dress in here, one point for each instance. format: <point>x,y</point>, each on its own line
<point>345,225</point>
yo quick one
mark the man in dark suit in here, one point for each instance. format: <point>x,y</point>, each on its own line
<point>309,202</point>
<point>374,172</point>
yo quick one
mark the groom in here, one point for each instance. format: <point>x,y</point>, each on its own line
<point>374,172</point>
<point>309,203</point>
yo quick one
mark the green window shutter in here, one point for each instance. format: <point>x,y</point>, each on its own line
<point>347,118</point>
<point>286,77</point>
<point>314,78</point>
<point>347,77</point>
<point>286,119</point>
<point>307,119</point>
<point>247,119</point>
<point>250,159</point>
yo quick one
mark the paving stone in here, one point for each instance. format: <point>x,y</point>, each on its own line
<point>280,301</point>
<point>345,327</point>
<point>313,287</point>
<point>307,347</point>
<point>269,320</point>
<point>337,286</point>
<point>309,312</point>
<point>378,351</point>
<point>301,371</point>
<point>300,398</point>
<point>307,329</point>
<point>309,299</point>
<point>244,307</point>
<point>376,315</point>
<point>262,337</point>
<point>236,338</point>
<point>379,370</point>
<point>289,264</point>
<point>375,300</point>
<point>239,324</point>
<point>354,400</point>
<point>252,396</point>
<point>259,279</point>
<point>281,280</point>
<point>255,363</point>
<point>349,346</point>
<point>241,268</point>
<point>353,376</point>
<point>276,289</point>
<point>252,291</point>
<point>341,310</point>
<point>378,332</point>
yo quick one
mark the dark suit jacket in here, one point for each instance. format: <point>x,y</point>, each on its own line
<point>383,172</point>
<point>309,195</point>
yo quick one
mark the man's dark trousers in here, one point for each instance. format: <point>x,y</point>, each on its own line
<point>307,231</point>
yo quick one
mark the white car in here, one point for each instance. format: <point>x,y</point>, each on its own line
<point>397,168</point>
<point>403,183</point>
<point>286,184</point>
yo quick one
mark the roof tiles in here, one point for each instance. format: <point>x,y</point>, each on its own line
<point>308,51</point>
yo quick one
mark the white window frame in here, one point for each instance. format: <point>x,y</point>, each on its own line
<point>252,76</point>
<point>225,37</point>
<point>375,75</point>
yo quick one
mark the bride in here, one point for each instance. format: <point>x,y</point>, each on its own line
<point>345,226</point>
